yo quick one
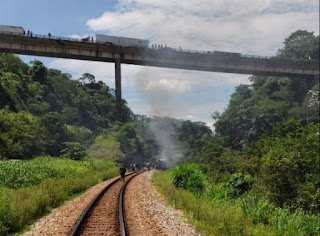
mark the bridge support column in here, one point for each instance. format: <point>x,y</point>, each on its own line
<point>118,89</point>
<point>316,78</point>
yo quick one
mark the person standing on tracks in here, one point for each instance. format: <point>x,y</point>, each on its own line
<point>122,172</point>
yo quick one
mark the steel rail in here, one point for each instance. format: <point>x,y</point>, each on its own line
<point>123,229</point>
<point>76,228</point>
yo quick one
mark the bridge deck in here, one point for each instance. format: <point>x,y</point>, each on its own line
<point>165,57</point>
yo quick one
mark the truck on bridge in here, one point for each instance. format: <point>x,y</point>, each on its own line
<point>122,41</point>
<point>8,29</point>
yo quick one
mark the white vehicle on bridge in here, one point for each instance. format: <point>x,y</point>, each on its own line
<point>122,41</point>
<point>7,29</point>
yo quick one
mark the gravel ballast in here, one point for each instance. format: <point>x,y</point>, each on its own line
<point>145,210</point>
<point>147,214</point>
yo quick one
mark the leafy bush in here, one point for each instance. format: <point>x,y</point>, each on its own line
<point>74,151</point>
<point>290,167</point>
<point>188,176</point>
<point>21,136</point>
<point>239,183</point>
<point>22,206</point>
<point>213,213</point>
<point>105,147</point>
<point>285,222</point>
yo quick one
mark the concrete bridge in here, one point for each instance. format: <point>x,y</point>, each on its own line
<point>60,47</point>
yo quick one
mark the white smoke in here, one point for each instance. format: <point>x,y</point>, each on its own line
<point>164,131</point>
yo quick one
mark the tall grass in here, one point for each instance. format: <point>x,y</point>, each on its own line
<point>284,221</point>
<point>20,207</point>
<point>213,213</point>
<point>17,174</point>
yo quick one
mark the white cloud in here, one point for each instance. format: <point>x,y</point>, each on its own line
<point>251,26</point>
<point>102,71</point>
<point>189,117</point>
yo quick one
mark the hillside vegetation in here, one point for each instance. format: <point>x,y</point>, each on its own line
<point>257,173</point>
<point>58,137</point>
<point>262,162</point>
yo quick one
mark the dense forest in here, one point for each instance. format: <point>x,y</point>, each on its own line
<point>46,112</point>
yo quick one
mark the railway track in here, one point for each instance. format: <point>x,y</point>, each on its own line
<point>105,214</point>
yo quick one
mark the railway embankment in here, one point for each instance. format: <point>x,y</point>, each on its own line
<point>31,189</point>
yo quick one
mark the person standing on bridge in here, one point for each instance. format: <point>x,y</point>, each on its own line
<point>122,172</point>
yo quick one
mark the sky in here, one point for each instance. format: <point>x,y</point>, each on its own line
<point>254,27</point>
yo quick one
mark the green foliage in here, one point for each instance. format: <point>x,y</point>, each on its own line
<point>55,133</point>
<point>301,45</point>
<point>21,137</point>
<point>106,147</point>
<point>13,64</point>
<point>256,108</point>
<point>290,161</point>
<point>188,176</point>
<point>22,206</point>
<point>130,144</point>
<point>213,213</point>
<point>17,174</point>
<point>74,151</point>
<point>87,77</point>
<point>146,138</point>
<point>80,134</point>
<point>60,102</point>
<point>209,152</point>
<point>239,183</point>
<point>13,91</point>
<point>187,134</point>
<point>38,72</point>
<point>285,222</point>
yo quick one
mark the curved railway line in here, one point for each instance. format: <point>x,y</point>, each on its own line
<point>105,214</point>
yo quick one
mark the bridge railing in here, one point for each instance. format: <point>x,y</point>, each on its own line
<point>91,40</point>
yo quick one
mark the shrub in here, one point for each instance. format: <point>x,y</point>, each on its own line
<point>239,183</point>
<point>74,151</point>
<point>188,176</point>
<point>290,167</point>
<point>21,136</point>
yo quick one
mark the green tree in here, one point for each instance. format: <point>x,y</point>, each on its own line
<point>56,133</point>
<point>87,77</point>
<point>74,151</point>
<point>21,135</point>
<point>289,169</point>
<point>301,45</point>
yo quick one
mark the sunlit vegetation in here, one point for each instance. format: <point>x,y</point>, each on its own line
<point>215,212</point>
<point>47,113</point>
<point>255,174</point>
<point>262,161</point>
<point>30,189</point>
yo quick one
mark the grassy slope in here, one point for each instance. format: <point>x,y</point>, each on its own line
<point>30,189</point>
<point>214,214</point>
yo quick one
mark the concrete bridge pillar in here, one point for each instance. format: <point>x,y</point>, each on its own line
<point>316,78</point>
<point>118,89</point>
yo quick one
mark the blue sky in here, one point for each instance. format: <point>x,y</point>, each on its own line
<point>246,26</point>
